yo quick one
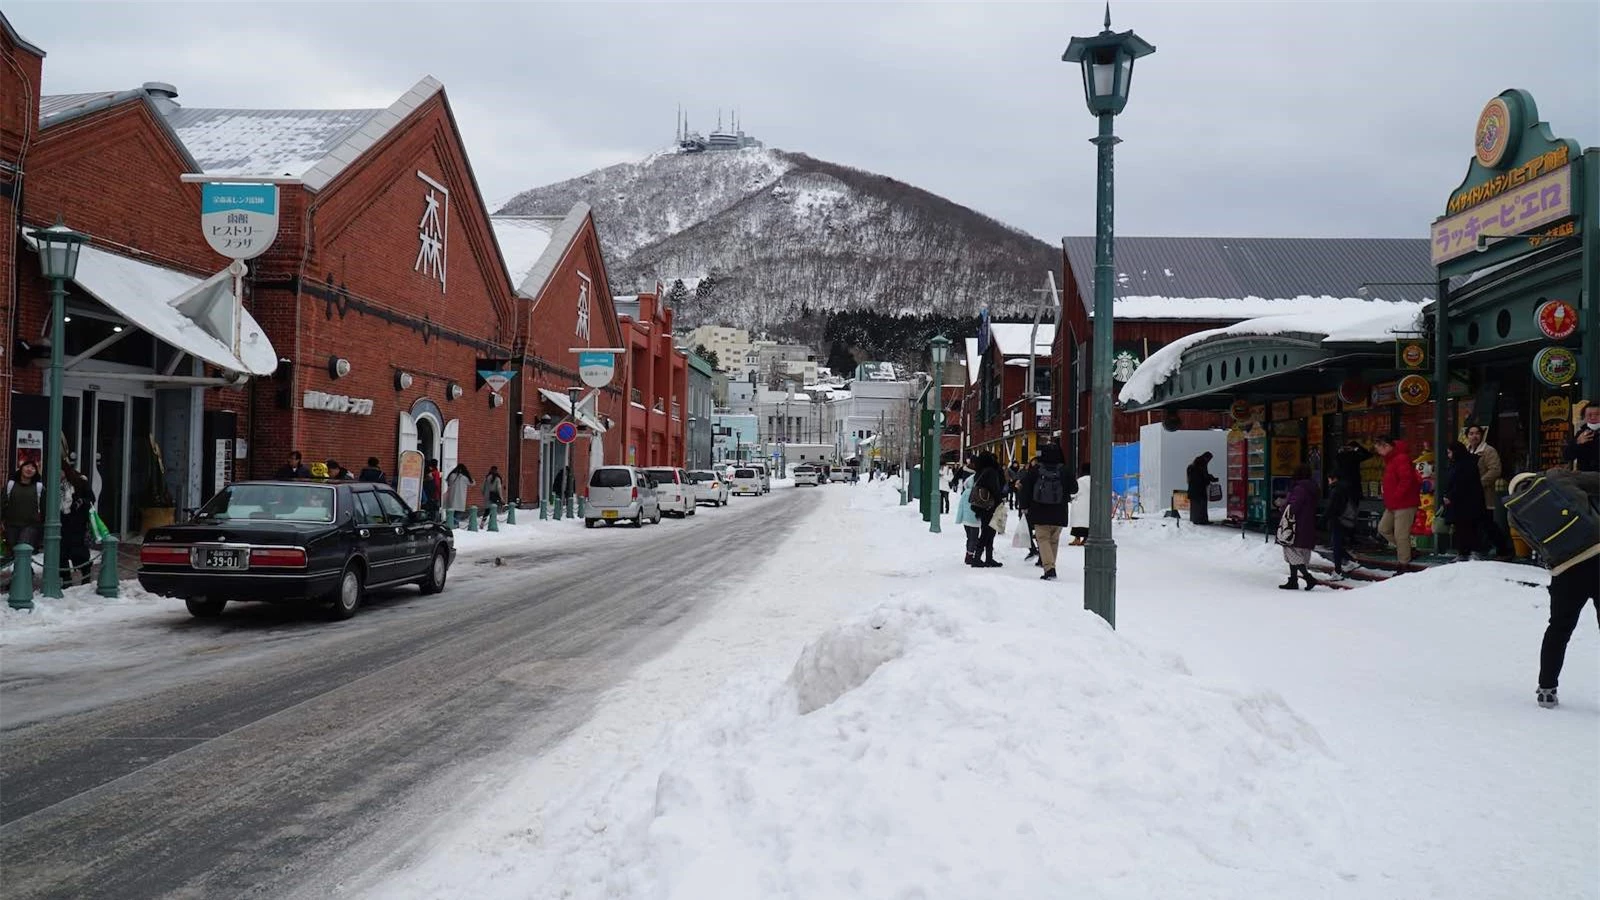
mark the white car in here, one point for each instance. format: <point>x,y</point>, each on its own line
<point>620,494</point>
<point>762,472</point>
<point>746,481</point>
<point>709,487</point>
<point>807,475</point>
<point>674,491</point>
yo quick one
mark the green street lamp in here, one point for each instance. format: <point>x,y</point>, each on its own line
<point>1107,60</point>
<point>941,349</point>
<point>58,257</point>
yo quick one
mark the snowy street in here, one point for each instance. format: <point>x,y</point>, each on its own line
<point>866,717</point>
<point>146,753</point>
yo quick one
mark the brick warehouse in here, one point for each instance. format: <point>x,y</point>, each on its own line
<point>350,278</point>
<point>565,297</point>
<point>20,70</point>
<point>657,375</point>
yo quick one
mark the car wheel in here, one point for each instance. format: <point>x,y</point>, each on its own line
<point>657,519</point>
<point>588,523</point>
<point>638,519</point>
<point>202,608</point>
<point>438,570</point>
<point>347,598</point>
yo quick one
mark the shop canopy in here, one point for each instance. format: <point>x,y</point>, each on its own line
<point>564,403</point>
<point>191,314</point>
<point>1209,368</point>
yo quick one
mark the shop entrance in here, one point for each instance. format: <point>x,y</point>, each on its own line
<point>108,437</point>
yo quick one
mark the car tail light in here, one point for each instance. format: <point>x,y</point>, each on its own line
<point>163,555</point>
<point>277,557</point>
<point>635,493</point>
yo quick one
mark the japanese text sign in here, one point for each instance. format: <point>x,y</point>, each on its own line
<point>239,221</point>
<point>1539,202</point>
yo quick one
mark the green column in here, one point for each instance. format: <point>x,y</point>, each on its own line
<point>52,443</point>
<point>1589,318</point>
<point>1100,549</point>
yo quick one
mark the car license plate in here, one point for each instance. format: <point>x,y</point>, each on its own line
<point>609,514</point>
<point>224,559</point>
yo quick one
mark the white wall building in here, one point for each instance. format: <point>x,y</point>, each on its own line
<point>731,345</point>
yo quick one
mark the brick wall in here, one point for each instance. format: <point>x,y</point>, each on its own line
<point>20,71</point>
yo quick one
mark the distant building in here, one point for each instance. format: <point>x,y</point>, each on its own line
<point>729,344</point>
<point>690,141</point>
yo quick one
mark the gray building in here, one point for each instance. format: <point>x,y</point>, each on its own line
<point>698,435</point>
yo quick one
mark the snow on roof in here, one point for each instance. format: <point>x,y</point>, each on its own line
<point>265,142</point>
<point>972,360</point>
<point>1353,321</point>
<point>543,267</point>
<point>523,240</point>
<point>1012,338</point>
<point>1224,309</point>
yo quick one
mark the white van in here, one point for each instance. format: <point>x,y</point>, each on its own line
<point>764,473</point>
<point>807,475</point>
<point>746,480</point>
<point>620,494</point>
<point>674,490</point>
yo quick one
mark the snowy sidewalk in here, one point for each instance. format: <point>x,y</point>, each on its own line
<point>868,718</point>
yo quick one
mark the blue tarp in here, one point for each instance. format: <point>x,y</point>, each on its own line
<point>1125,468</point>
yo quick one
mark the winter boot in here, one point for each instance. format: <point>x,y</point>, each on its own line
<point>1049,575</point>
<point>1031,554</point>
<point>1547,698</point>
<point>1293,583</point>
<point>1305,573</point>
<point>967,559</point>
<point>991,563</point>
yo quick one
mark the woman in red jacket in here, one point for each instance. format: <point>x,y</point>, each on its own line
<point>1402,494</point>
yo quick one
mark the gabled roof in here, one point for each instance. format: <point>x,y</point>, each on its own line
<point>57,109</point>
<point>18,39</point>
<point>562,235</point>
<point>523,241</point>
<point>313,145</point>
<point>1011,338</point>
<point>1180,268</point>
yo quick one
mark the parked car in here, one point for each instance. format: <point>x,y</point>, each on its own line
<point>296,542</point>
<point>621,494</point>
<point>842,474</point>
<point>746,480</point>
<point>807,475</point>
<point>709,487</point>
<point>764,473</point>
<point>674,491</point>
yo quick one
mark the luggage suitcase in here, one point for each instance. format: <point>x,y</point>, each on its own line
<point>1556,516</point>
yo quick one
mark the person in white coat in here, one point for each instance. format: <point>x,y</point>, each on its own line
<point>1078,510</point>
<point>455,491</point>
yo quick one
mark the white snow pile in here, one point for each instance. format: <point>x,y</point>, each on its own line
<point>973,744</point>
<point>77,605</point>
<point>1226,309</point>
<point>1374,321</point>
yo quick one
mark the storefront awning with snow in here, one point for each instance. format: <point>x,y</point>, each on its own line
<point>1289,354</point>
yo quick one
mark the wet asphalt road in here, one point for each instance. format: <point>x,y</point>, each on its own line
<point>269,748</point>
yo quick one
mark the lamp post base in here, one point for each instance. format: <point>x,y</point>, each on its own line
<point>1100,578</point>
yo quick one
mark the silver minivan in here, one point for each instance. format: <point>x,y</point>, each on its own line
<point>621,494</point>
<point>764,473</point>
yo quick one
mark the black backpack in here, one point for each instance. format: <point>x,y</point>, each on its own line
<point>1556,516</point>
<point>1048,487</point>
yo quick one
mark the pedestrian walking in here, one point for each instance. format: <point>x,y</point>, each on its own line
<point>337,472</point>
<point>1583,448</point>
<point>1489,474</point>
<point>1464,506</point>
<point>293,469</point>
<point>432,489</point>
<point>1199,481</point>
<point>75,526</point>
<point>1013,474</point>
<point>1402,494</point>
<point>455,492</point>
<point>967,518</point>
<point>372,473</point>
<point>1024,503</point>
<point>1343,505</point>
<point>1297,528</point>
<point>22,508</point>
<point>944,491</point>
<point>988,494</point>
<point>494,491</point>
<point>1078,510</point>
<point>1562,518</point>
<point>1048,491</point>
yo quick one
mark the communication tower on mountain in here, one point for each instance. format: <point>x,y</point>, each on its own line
<point>731,138</point>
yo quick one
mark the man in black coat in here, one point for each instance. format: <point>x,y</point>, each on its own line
<point>293,469</point>
<point>1047,489</point>
<point>988,493</point>
<point>1583,447</point>
<point>1199,480</point>
<point>372,473</point>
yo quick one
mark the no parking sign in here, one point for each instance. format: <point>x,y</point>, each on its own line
<point>566,432</point>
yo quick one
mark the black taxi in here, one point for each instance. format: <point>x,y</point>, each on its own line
<point>296,542</point>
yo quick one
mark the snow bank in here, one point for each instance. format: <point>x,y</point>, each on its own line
<point>77,605</point>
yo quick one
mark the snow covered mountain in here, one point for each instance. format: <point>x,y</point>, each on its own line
<point>757,235</point>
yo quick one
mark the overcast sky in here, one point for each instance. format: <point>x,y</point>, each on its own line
<point>1251,119</point>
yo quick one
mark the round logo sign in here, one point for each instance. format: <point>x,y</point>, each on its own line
<point>566,432</point>
<point>1413,355</point>
<point>1352,390</point>
<point>1240,410</point>
<point>1413,390</point>
<point>1492,140</point>
<point>1555,366</point>
<point>1557,319</point>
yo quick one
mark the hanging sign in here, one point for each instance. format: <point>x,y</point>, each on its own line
<point>595,368</point>
<point>1302,407</point>
<point>1555,366</point>
<point>239,221</point>
<point>1411,355</point>
<point>1555,408</point>
<point>1413,390</point>
<point>1557,319</point>
<point>1327,403</point>
<point>495,373</point>
<point>1240,410</point>
<point>1280,410</point>
<point>1353,391</point>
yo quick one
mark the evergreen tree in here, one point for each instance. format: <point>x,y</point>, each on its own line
<point>710,356</point>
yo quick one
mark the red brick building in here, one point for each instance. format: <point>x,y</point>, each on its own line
<point>565,303</point>
<point>381,297</point>
<point>658,383</point>
<point>996,416</point>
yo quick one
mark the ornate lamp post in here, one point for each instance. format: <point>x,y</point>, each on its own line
<point>1107,60</point>
<point>58,258</point>
<point>941,348</point>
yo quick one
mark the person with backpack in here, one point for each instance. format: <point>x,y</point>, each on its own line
<point>967,518</point>
<point>494,491</point>
<point>1047,491</point>
<point>1297,528</point>
<point>78,502</point>
<point>988,494</point>
<point>22,508</point>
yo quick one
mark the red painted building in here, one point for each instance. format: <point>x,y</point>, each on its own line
<point>658,383</point>
<point>21,65</point>
<point>381,295</point>
<point>996,414</point>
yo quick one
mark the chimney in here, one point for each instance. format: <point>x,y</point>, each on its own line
<point>162,94</point>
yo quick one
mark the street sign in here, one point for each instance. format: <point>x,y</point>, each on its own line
<point>566,432</point>
<point>239,221</point>
<point>595,368</point>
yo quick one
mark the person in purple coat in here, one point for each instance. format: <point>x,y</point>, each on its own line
<point>1297,528</point>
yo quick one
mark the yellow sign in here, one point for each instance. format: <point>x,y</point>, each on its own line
<point>1327,403</point>
<point>1413,390</point>
<point>1493,136</point>
<point>1554,409</point>
<point>1505,181</point>
<point>1314,431</point>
